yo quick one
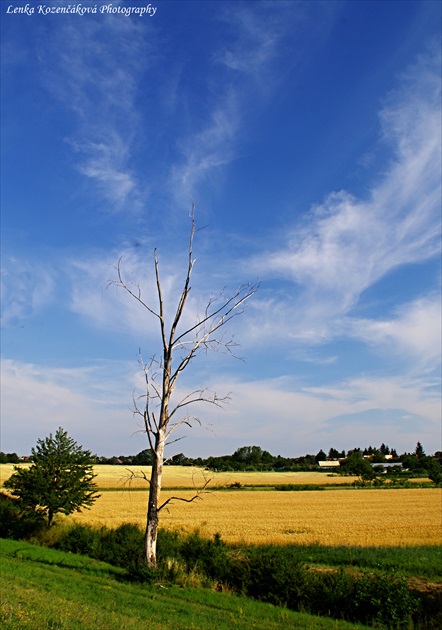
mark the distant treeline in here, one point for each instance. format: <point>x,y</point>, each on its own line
<point>9,458</point>
<point>254,458</point>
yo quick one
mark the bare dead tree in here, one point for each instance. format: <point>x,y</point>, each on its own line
<point>160,416</point>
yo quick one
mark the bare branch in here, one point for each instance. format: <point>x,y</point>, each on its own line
<point>136,295</point>
<point>179,347</point>
<point>133,475</point>
<point>195,497</point>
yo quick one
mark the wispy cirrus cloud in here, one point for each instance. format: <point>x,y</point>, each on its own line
<point>248,64</point>
<point>95,74</point>
<point>347,244</point>
<point>25,289</point>
<point>208,149</point>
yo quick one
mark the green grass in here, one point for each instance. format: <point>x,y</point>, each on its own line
<point>43,588</point>
<point>422,561</point>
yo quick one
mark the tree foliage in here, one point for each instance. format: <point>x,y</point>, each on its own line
<point>60,479</point>
<point>355,464</point>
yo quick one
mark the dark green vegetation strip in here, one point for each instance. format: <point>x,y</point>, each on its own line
<point>422,561</point>
<point>44,588</point>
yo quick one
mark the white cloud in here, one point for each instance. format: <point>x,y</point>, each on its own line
<point>92,403</point>
<point>346,244</point>
<point>245,66</point>
<point>208,149</point>
<point>415,332</point>
<point>283,416</point>
<point>25,290</point>
<point>93,69</point>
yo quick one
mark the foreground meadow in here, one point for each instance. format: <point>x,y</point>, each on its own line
<point>362,518</point>
<point>44,588</point>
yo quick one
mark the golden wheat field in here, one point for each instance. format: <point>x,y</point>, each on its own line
<point>336,517</point>
<point>119,477</point>
<point>188,477</point>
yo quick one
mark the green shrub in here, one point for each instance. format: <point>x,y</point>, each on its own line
<point>326,593</point>
<point>80,539</point>
<point>384,599</point>
<point>14,523</point>
<point>273,574</point>
<point>122,546</point>
<point>209,556</point>
<point>168,543</point>
<point>139,571</point>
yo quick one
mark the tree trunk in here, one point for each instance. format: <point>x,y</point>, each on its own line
<point>151,533</point>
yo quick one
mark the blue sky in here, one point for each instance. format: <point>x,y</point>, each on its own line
<point>308,136</point>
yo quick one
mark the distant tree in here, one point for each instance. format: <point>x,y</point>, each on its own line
<point>419,450</point>
<point>321,456</point>
<point>144,458</point>
<point>355,464</point>
<point>308,460</point>
<point>3,458</point>
<point>434,470</point>
<point>334,454</point>
<point>179,460</point>
<point>378,458</point>
<point>60,478</point>
<point>252,455</point>
<point>12,458</point>
<point>384,449</point>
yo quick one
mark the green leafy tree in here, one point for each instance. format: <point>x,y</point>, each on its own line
<point>355,464</point>
<point>60,478</point>
<point>434,470</point>
<point>321,456</point>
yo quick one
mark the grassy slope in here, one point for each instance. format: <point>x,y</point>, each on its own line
<point>44,588</point>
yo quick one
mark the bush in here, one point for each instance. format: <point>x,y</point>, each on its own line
<point>80,539</point>
<point>327,593</point>
<point>14,523</point>
<point>384,599</point>
<point>139,571</point>
<point>273,574</point>
<point>122,547</point>
<point>209,556</point>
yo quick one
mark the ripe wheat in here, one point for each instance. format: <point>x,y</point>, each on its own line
<point>336,517</point>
